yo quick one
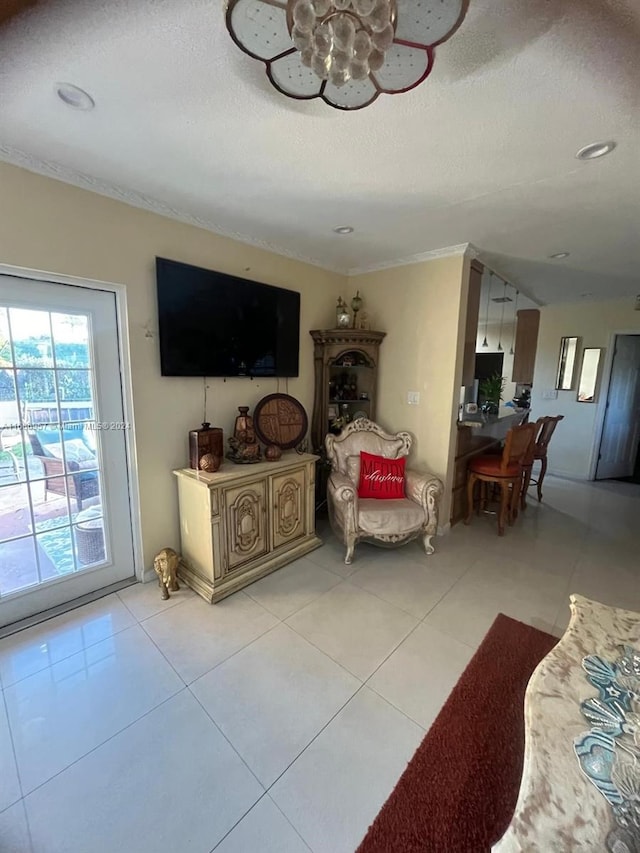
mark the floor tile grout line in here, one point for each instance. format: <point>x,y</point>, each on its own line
<point>297,832</point>
<point>224,660</point>
<point>13,748</point>
<point>139,619</point>
<point>393,604</point>
<point>404,713</point>
<point>28,824</point>
<point>233,747</point>
<point>104,742</point>
<point>325,726</point>
<point>66,656</point>
<point>297,610</point>
<point>316,736</point>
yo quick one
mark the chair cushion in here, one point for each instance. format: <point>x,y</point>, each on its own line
<point>75,451</point>
<point>381,478</point>
<point>490,466</point>
<point>385,517</point>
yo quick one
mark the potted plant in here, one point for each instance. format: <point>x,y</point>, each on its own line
<point>491,389</point>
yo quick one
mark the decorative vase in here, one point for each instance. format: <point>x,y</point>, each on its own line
<point>343,318</point>
<point>243,444</point>
<point>356,305</point>
<point>272,453</point>
<point>243,429</point>
<point>206,441</point>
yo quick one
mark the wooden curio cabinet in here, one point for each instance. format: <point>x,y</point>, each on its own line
<point>346,379</point>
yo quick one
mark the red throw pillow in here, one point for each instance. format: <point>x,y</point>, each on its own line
<point>380,477</point>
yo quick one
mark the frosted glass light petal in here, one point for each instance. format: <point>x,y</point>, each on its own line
<point>301,39</point>
<point>341,60</point>
<point>344,31</point>
<point>384,38</point>
<point>322,40</point>
<point>303,15</point>
<point>320,66</point>
<point>363,7</point>
<point>342,5</point>
<point>306,56</point>
<point>321,7</point>
<point>359,70</point>
<point>380,16</point>
<point>376,59</point>
<point>337,77</point>
<point>361,45</point>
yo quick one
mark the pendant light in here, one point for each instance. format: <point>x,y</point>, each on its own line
<point>485,343</point>
<point>515,318</point>
<point>504,299</point>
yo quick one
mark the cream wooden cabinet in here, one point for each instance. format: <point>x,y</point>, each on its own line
<point>244,521</point>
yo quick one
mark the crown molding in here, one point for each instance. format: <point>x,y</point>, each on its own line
<point>51,169</point>
<point>466,249</point>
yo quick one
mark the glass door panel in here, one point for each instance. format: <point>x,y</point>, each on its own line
<point>54,523</point>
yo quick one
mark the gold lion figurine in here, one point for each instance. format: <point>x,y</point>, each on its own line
<point>165,565</point>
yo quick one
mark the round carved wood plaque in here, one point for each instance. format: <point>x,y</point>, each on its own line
<point>281,420</point>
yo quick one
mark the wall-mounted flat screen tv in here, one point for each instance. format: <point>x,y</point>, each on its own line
<point>214,324</point>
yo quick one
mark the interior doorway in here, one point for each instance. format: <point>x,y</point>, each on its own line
<point>619,455</point>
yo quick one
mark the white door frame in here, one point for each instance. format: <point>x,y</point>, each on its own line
<point>601,410</point>
<point>122,320</point>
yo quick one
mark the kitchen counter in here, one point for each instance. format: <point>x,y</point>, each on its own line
<point>477,434</point>
<point>489,422</point>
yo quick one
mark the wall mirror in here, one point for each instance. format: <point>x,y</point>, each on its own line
<point>566,363</point>
<point>589,374</point>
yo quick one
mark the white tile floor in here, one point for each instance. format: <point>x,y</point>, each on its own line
<point>279,720</point>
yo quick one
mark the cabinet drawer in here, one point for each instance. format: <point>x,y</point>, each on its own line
<point>288,518</point>
<point>245,523</point>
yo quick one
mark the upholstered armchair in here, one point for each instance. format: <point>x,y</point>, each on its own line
<point>383,522</point>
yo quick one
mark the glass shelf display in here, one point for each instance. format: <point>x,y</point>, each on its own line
<point>351,378</point>
<point>346,368</point>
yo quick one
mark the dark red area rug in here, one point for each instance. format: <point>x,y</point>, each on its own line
<point>459,791</point>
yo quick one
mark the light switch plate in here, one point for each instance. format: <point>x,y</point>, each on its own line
<point>413,398</point>
<point>550,394</point>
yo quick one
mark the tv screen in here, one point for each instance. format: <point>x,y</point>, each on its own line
<point>213,324</point>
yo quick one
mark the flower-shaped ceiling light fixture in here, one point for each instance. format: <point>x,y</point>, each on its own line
<point>346,52</point>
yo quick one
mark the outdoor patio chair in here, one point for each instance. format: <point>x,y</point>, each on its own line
<point>81,462</point>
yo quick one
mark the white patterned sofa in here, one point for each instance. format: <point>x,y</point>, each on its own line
<point>383,522</point>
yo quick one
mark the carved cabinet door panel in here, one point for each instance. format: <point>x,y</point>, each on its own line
<point>288,520</point>
<point>245,510</point>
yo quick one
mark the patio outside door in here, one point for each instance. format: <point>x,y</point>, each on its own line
<point>65,521</point>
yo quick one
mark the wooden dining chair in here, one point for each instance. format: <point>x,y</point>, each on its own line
<point>546,427</point>
<point>505,471</point>
<point>527,464</point>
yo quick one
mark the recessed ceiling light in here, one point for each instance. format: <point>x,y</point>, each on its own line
<point>595,150</point>
<point>586,295</point>
<point>74,97</point>
<point>559,255</point>
<point>343,229</point>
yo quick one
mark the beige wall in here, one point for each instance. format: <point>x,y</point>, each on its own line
<point>422,307</point>
<point>51,226</point>
<point>571,448</point>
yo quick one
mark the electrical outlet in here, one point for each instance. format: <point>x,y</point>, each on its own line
<point>550,394</point>
<point>413,398</point>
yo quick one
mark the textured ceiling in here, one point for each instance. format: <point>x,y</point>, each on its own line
<point>482,152</point>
